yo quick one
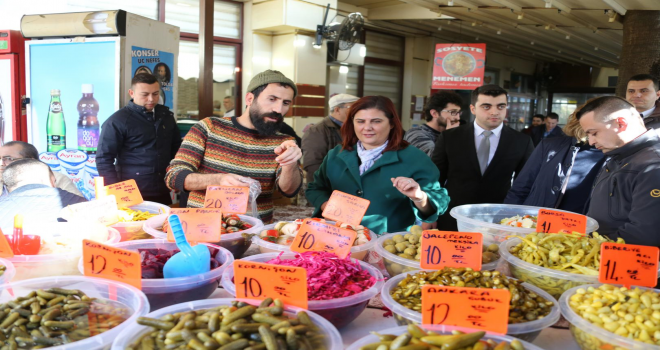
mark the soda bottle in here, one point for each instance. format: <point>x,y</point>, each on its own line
<point>88,124</point>
<point>55,127</point>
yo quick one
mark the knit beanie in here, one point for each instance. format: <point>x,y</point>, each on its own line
<point>271,76</point>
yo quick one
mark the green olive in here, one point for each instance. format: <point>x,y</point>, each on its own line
<point>388,242</point>
<point>410,251</point>
<point>400,247</point>
<point>391,249</point>
<point>413,239</point>
<point>397,238</point>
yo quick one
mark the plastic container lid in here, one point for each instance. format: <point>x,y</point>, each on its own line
<point>229,286</point>
<point>172,284</point>
<point>154,225</point>
<point>505,248</point>
<point>286,248</point>
<point>591,329</point>
<point>439,329</point>
<point>129,296</point>
<point>485,218</point>
<point>113,237</point>
<point>414,263</point>
<point>132,334</point>
<point>517,328</point>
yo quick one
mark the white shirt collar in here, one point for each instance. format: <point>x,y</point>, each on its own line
<point>478,130</point>
<point>648,112</point>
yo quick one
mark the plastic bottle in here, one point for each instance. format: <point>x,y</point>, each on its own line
<point>88,123</point>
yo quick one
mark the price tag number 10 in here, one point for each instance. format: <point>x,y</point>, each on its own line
<point>253,286</point>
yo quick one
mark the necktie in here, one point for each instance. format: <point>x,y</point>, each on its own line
<point>484,151</point>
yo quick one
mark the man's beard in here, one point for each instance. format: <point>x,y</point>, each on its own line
<point>441,122</point>
<point>264,127</point>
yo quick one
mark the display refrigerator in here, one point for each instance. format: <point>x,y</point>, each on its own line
<point>78,74</point>
<point>12,87</point>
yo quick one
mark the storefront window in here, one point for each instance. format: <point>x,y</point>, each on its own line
<point>224,79</point>
<point>185,15</point>
<point>188,77</point>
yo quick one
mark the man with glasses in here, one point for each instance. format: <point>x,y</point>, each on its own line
<point>477,161</point>
<point>643,91</point>
<point>442,112</point>
<point>325,135</point>
<point>15,150</point>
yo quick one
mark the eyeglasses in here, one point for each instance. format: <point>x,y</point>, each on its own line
<point>8,160</point>
<point>452,112</point>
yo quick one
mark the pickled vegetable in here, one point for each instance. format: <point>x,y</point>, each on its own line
<point>525,305</point>
<point>153,261</point>
<point>230,224</point>
<point>525,221</point>
<point>418,338</point>
<point>3,268</point>
<point>240,326</point>
<point>55,316</point>
<point>285,232</point>
<point>632,313</point>
<point>130,215</point>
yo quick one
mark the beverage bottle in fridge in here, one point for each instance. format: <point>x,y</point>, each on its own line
<point>55,127</point>
<point>88,123</point>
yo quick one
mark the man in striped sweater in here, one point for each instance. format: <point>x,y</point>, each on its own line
<point>223,151</point>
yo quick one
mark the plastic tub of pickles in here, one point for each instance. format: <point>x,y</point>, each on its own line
<point>67,312</point>
<point>604,316</point>
<point>554,262</point>
<point>531,311</point>
<point>401,251</point>
<point>132,219</point>
<point>230,324</point>
<point>438,337</point>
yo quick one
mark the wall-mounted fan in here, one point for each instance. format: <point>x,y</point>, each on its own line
<point>340,36</point>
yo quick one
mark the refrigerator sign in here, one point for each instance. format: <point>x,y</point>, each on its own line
<point>458,66</point>
<point>158,63</point>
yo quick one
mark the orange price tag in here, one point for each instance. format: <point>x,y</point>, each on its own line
<point>5,248</point>
<point>259,281</point>
<point>126,192</point>
<point>318,236</point>
<point>199,224</point>
<point>451,249</point>
<point>628,264</point>
<point>232,200</point>
<point>112,263</point>
<point>343,207</point>
<point>485,309</point>
<point>553,221</point>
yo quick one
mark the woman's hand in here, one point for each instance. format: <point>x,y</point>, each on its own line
<point>409,188</point>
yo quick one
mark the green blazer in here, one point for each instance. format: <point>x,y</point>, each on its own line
<point>389,211</point>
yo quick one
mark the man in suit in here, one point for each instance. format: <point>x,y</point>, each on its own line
<point>548,129</point>
<point>477,161</point>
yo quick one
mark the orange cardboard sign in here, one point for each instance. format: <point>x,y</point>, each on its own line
<point>199,224</point>
<point>5,248</point>
<point>485,309</point>
<point>318,236</point>
<point>628,264</point>
<point>231,199</point>
<point>343,207</point>
<point>442,249</point>
<point>112,263</point>
<point>259,281</point>
<point>553,221</point>
<point>126,192</point>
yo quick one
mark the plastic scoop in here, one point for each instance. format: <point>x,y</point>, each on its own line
<point>23,244</point>
<point>189,261</point>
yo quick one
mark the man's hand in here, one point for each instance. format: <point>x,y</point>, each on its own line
<point>453,122</point>
<point>231,180</point>
<point>288,153</point>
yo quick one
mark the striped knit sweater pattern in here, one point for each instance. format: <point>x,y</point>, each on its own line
<point>221,145</point>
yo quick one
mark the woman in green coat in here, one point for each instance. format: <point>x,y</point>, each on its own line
<point>375,163</point>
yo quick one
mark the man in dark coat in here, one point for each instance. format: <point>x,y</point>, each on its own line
<point>626,195</point>
<point>546,130</point>
<point>643,91</point>
<point>32,193</point>
<point>139,141</point>
<point>477,161</point>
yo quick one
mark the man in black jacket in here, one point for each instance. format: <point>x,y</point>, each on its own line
<point>626,195</point>
<point>477,161</point>
<point>548,129</point>
<point>139,141</point>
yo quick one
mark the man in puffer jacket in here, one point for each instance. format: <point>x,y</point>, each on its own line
<point>32,193</point>
<point>626,195</point>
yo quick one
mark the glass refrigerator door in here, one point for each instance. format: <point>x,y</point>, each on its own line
<point>73,88</point>
<point>8,78</point>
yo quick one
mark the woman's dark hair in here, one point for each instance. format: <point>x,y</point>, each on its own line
<point>383,104</point>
